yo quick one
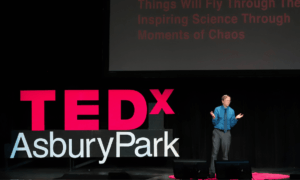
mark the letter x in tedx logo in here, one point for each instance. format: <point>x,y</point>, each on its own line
<point>161,101</point>
<point>72,110</point>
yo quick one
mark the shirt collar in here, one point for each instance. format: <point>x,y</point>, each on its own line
<point>224,107</point>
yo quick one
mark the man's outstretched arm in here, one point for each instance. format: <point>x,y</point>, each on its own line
<point>215,119</point>
<point>234,119</point>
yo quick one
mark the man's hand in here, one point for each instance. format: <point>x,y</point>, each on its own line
<point>239,116</point>
<point>212,114</point>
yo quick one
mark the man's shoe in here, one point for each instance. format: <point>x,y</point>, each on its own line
<point>211,175</point>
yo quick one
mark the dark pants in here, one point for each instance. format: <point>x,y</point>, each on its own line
<point>219,137</point>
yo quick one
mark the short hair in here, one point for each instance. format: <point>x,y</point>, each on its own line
<point>224,97</point>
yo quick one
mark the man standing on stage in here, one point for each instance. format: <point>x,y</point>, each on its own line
<point>223,120</point>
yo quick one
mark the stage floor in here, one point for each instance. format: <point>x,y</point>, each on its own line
<point>150,173</point>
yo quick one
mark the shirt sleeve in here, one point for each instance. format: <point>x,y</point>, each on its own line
<point>216,120</point>
<point>233,121</point>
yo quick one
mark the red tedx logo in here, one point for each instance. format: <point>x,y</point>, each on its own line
<point>38,98</point>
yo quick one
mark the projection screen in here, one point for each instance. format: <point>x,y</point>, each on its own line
<point>151,35</point>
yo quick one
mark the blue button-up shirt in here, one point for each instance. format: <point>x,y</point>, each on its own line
<point>219,121</point>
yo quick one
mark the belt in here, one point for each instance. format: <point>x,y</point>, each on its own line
<point>221,130</point>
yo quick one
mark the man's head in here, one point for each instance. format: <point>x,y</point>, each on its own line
<point>226,100</point>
